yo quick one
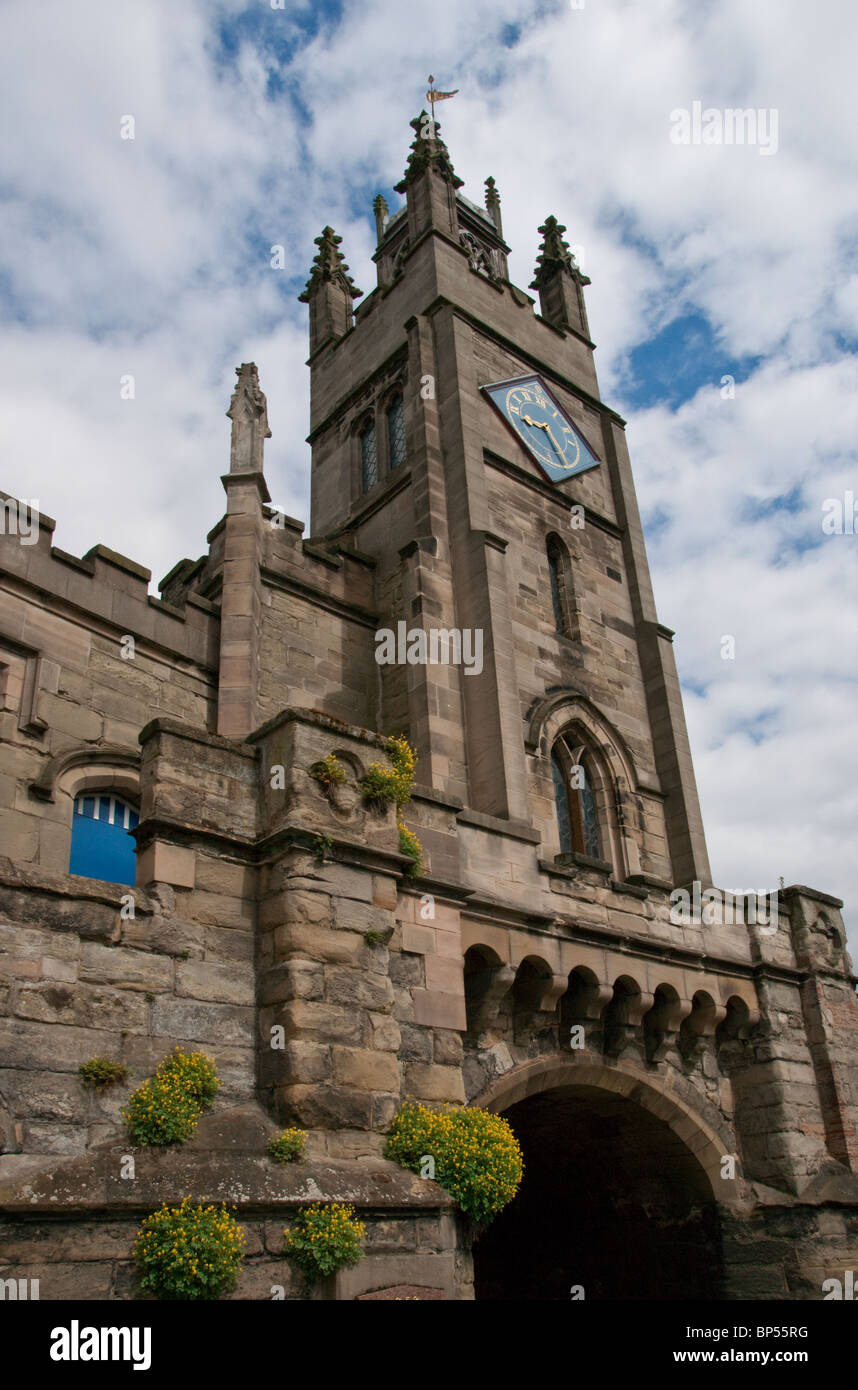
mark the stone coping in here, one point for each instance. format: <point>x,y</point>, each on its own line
<point>34,1184</point>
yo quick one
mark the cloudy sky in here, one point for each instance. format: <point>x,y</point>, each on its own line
<point>256,125</point>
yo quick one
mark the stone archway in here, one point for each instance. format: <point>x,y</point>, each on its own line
<point>618,1200</point>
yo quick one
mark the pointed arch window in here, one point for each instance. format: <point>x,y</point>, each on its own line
<point>560,585</point>
<point>575,800</point>
<point>396,444</point>
<point>368,457</point>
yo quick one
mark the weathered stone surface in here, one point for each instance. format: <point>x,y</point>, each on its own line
<point>351,987</point>
<point>107,965</point>
<point>183,1018</point>
<point>331,1021</point>
<point>368,1071</point>
<point>227,984</point>
<point>88,1006</point>
<point>434,1082</point>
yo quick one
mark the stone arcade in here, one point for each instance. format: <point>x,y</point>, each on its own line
<point>541,917</point>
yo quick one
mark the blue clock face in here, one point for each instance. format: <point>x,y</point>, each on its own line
<point>532,413</point>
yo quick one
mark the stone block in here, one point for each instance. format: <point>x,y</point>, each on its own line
<point>439,1010</point>
<point>119,965</point>
<point>431,1082</point>
<point>87,1006</point>
<point>321,943</point>
<point>416,1044</point>
<point>292,979</point>
<point>361,917</point>
<point>331,1022</point>
<point>448,1048</point>
<point>444,975</point>
<point>225,984</point>
<point>352,987</point>
<point>48,1047</point>
<point>368,1071</point>
<point>325,1107</point>
<point>302,1061</point>
<point>184,1018</point>
<point>165,863</point>
<point>418,940</point>
<point>386,1034</point>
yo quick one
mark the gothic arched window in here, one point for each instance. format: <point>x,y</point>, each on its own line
<point>396,432</point>
<point>556,579</point>
<point>575,800</point>
<point>101,846</point>
<point>368,457</point>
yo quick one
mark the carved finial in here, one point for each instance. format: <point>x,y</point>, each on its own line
<point>248,411</point>
<point>554,255</point>
<point>328,265</point>
<point>381,210</point>
<point>428,149</point>
<point>493,203</point>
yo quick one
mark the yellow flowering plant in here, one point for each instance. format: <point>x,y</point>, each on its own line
<point>167,1107</point>
<point>381,785</point>
<point>188,1252</point>
<point>329,772</point>
<point>476,1155</point>
<point>324,1237</point>
<point>287,1146</point>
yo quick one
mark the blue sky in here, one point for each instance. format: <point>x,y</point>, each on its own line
<point>255,126</point>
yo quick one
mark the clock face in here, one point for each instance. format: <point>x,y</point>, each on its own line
<point>531,411</point>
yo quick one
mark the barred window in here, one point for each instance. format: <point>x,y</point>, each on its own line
<point>368,457</point>
<point>396,431</point>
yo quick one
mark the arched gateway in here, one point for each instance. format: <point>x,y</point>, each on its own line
<point>620,1195</point>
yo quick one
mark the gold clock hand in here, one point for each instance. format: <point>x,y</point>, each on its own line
<point>540,424</point>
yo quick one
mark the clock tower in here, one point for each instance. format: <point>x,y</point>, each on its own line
<point>459,438</point>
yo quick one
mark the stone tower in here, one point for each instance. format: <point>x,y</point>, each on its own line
<point>681,1070</point>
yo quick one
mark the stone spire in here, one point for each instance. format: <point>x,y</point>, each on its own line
<point>554,254</point>
<point>381,211</point>
<point>559,281</point>
<point>329,267</point>
<point>493,204</point>
<point>329,292</point>
<point>248,411</point>
<point>428,151</point>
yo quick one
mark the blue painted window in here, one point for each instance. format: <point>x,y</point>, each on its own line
<point>396,431</point>
<point>368,457</point>
<point>101,846</point>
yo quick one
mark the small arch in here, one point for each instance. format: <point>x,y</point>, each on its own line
<point>699,1026</point>
<point>487,979</point>
<point>622,1017</point>
<point>110,764</point>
